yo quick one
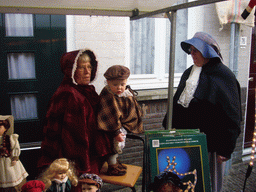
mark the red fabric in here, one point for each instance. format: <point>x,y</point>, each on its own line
<point>33,186</point>
<point>71,131</point>
<point>252,3</point>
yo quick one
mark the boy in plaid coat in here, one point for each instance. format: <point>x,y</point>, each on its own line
<point>119,112</point>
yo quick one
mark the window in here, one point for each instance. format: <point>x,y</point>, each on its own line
<point>19,25</point>
<point>31,45</point>
<point>21,65</point>
<point>150,49</point>
<point>24,106</point>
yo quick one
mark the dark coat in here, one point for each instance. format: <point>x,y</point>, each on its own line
<point>215,108</point>
<point>71,129</point>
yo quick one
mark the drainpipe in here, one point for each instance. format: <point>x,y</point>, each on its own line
<point>233,48</point>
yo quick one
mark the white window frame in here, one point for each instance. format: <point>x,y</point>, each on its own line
<point>159,79</point>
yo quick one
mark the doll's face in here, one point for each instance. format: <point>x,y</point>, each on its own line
<point>89,188</point>
<point>2,130</point>
<point>60,175</point>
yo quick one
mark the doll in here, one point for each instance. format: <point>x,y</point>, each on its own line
<point>33,186</point>
<point>166,181</point>
<point>89,182</point>
<point>60,176</point>
<point>12,172</point>
<point>119,113</point>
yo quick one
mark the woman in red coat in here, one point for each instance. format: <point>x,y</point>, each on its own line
<point>70,129</point>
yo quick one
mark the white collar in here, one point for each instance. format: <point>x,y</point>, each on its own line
<point>61,181</point>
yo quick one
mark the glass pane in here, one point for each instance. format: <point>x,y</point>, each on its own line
<point>21,65</point>
<point>24,106</point>
<point>167,48</point>
<point>19,25</point>
<point>181,35</point>
<point>142,33</point>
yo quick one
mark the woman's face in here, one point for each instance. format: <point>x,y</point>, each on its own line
<point>2,130</point>
<point>89,188</point>
<point>197,57</point>
<point>117,86</point>
<point>83,73</point>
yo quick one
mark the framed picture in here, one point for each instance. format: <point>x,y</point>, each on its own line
<point>182,153</point>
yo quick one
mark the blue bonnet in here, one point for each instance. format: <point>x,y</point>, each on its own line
<point>204,43</point>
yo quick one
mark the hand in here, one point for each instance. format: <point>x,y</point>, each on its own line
<point>119,137</point>
<point>13,162</point>
<point>221,159</point>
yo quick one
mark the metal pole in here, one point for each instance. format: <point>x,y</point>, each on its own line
<point>175,8</point>
<point>172,17</point>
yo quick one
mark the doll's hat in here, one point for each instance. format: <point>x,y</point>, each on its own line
<point>91,178</point>
<point>165,177</point>
<point>117,72</point>
<point>10,118</point>
<point>33,186</point>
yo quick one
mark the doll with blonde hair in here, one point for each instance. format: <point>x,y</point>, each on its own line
<point>60,176</point>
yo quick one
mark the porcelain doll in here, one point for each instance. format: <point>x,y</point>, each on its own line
<point>89,182</point>
<point>119,113</point>
<point>60,176</point>
<point>12,172</point>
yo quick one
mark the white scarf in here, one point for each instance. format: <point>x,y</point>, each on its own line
<point>191,84</point>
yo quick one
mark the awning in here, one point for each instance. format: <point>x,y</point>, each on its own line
<point>92,7</point>
<point>230,12</point>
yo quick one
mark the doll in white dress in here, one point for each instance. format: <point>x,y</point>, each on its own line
<point>12,172</point>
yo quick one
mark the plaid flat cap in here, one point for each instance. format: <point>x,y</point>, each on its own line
<point>92,179</point>
<point>117,72</point>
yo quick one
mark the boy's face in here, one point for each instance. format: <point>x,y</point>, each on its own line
<point>89,188</point>
<point>117,86</point>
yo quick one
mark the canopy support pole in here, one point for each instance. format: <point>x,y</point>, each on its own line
<point>172,17</point>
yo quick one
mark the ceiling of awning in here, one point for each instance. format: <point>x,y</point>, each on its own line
<point>86,7</point>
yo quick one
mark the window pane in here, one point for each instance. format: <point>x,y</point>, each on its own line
<point>24,106</point>
<point>181,35</point>
<point>19,25</point>
<point>142,33</point>
<point>21,65</point>
<point>167,48</point>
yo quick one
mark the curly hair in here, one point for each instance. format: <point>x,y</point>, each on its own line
<point>59,165</point>
<point>5,150</point>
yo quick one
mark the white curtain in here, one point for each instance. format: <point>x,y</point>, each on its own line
<point>21,65</point>
<point>19,25</point>
<point>24,106</point>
